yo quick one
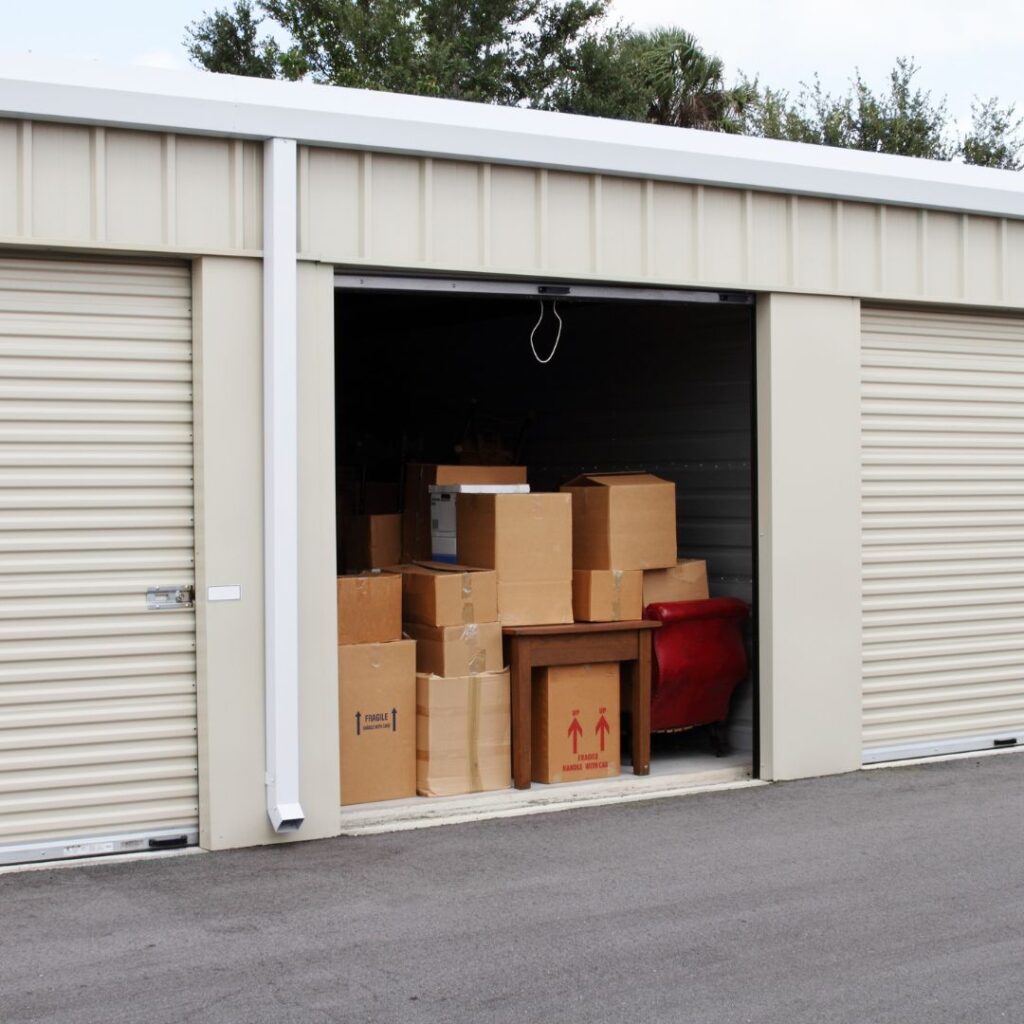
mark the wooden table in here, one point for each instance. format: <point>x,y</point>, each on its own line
<point>580,643</point>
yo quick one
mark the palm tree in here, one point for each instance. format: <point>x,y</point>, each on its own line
<point>681,85</point>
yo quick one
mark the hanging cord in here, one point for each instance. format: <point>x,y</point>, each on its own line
<point>558,336</point>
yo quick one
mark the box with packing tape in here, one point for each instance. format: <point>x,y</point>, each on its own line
<point>622,521</point>
<point>469,649</point>
<point>527,540</point>
<point>607,595</point>
<point>575,723</point>
<point>463,734</point>
<point>687,580</point>
<point>376,718</point>
<point>369,608</point>
<point>439,594</point>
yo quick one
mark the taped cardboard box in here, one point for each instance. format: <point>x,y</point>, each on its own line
<point>369,608</point>
<point>438,594</point>
<point>527,540</point>
<point>372,542</point>
<point>607,595</point>
<point>463,650</point>
<point>376,718</point>
<point>416,545</point>
<point>687,580</point>
<point>575,723</point>
<point>463,734</point>
<point>622,521</point>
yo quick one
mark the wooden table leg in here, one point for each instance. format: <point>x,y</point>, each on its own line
<point>522,696</point>
<point>640,704</point>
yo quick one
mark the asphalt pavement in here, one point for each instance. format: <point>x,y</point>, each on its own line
<point>893,895</point>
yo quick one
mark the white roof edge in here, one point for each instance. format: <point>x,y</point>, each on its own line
<point>202,103</point>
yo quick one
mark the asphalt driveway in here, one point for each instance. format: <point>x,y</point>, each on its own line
<point>885,896</point>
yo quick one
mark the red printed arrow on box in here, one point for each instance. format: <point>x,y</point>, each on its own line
<point>602,730</point>
<point>575,731</point>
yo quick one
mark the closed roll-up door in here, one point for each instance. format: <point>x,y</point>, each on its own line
<point>943,532</point>
<point>97,689</point>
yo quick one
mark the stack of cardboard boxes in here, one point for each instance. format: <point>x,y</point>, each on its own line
<point>463,717</point>
<point>601,550</point>
<point>376,690</point>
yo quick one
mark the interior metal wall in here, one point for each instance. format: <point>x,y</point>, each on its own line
<point>662,388</point>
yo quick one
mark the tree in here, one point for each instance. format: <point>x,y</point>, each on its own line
<point>995,138</point>
<point>662,77</point>
<point>902,120</point>
<point>498,51</point>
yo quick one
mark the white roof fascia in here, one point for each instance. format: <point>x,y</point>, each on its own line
<point>226,105</point>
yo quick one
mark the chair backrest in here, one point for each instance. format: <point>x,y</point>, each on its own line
<point>700,657</point>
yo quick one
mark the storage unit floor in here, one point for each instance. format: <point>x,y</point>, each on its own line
<point>673,773</point>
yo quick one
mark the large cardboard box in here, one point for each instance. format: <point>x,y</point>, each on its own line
<point>418,478</point>
<point>372,542</point>
<point>687,580</point>
<point>622,521</point>
<point>369,608</point>
<point>527,540</point>
<point>377,721</point>
<point>464,650</point>
<point>439,594</point>
<point>607,595</point>
<point>575,723</point>
<point>463,734</point>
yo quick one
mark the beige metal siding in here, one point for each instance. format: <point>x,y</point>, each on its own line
<point>943,531</point>
<point>97,693</point>
<point>81,185</point>
<point>454,216</point>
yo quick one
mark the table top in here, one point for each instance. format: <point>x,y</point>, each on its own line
<point>574,628</point>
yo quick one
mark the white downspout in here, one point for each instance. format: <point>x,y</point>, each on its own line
<point>280,483</point>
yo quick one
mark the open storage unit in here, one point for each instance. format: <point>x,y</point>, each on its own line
<point>564,379</point>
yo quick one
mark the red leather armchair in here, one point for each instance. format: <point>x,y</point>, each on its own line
<point>699,658</point>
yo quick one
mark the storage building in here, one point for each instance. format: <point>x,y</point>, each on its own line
<point>216,294</point>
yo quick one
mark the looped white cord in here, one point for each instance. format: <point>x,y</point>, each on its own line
<point>558,336</point>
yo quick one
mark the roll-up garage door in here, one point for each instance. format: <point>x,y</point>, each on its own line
<point>97,632</point>
<point>943,532</point>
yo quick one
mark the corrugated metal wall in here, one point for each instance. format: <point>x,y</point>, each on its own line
<point>418,213</point>
<point>943,527</point>
<point>97,694</point>
<point>68,184</point>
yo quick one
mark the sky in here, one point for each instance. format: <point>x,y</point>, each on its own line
<point>964,49</point>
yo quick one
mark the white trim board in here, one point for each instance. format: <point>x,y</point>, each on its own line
<point>226,105</point>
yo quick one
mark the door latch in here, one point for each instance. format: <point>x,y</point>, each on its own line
<point>161,599</point>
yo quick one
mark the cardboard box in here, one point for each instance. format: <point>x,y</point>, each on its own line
<point>438,594</point>
<point>622,521</point>
<point>527,540</point>
<point>376,718</point>
<point>575,723</point>
<point>607,595</point>
<point>369,608</point>
<point>372,542</point>
<point>418,478</point>
<point>463,734</point>
<point>463,650</point>
<point>687,580</point>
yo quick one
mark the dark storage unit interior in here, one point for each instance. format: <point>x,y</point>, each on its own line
<point>665,388</point>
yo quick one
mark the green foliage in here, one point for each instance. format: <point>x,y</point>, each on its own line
<point>902,119</point>
<point>497,51</point>
<point>995,138</point>
<point>227,43</point>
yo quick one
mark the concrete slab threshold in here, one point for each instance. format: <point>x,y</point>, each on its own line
<point>420,812</point>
